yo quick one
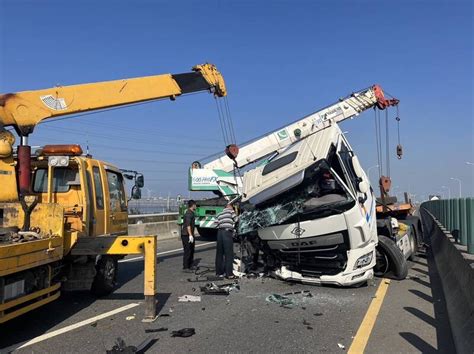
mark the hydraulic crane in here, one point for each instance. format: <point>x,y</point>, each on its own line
<point>220,177</point>
<point>63,215</point>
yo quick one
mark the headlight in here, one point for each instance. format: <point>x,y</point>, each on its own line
<point>364,260</point>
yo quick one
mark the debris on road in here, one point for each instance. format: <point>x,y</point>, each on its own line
<point>155,330</point>
<point>185,332</point>
<point>223,289</point>
<point>281,300</point>
<point>129,318</point>
<point>342,346</point>
<point>189,298</point>
<point>164,315</point>
<point>317,314</point>
<point>121,347</point>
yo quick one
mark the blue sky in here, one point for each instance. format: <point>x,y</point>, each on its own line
<point>281,60</point>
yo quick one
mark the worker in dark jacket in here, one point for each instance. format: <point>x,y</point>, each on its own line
<point>187,236</point>
<point>226,222</point>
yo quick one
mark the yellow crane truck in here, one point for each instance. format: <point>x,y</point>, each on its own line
<point>63,214</point>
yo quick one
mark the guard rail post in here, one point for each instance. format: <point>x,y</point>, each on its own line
<point>462,222</point>
<point>470,224</point>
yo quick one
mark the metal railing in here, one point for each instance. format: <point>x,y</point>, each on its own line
<point>457,216</point>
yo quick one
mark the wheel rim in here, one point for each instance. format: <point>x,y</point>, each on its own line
<point>381,263</point>
<point>109,269</point>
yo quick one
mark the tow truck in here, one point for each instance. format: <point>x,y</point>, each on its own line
<point>308,201</point>
<point>63,214</point>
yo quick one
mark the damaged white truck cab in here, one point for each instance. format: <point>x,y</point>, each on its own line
<point>314,212</point>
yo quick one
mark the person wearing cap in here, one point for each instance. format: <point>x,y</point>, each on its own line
<point>226,222</point>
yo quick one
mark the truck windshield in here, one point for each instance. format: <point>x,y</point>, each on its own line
<point>63,179</point>
<point>318,195</point>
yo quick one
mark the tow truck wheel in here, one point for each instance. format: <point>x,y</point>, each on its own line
<point>392,261</point>
<point>105,279</point>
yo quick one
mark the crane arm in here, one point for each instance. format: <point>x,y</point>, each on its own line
<point>24,110</point>
<point>276,141</point>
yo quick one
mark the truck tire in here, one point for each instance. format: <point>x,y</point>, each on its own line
<point>106,277</point>
<point>207,233</point>
<point>397,267</point>
<point>413,243</point>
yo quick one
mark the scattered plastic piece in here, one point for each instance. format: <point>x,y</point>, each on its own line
<point>281,300</point>
<point>341,346</point>
<point>185,332</point>
<point>223,289</point>
<point>155,330</point>
<point>121,348</point>
<point>189,298</point>
<point>129,318</point>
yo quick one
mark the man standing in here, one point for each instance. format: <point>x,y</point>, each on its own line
<point>226,221</point>
<point>187,236</point>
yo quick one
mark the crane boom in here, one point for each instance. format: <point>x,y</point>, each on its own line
<point>276,141</point>
<point>24,110</point>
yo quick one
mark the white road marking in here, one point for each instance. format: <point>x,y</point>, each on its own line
<point>76,325</point>
<point>162,253</point>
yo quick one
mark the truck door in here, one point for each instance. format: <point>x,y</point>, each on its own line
<point>117,214</point>
<point>98,220</point>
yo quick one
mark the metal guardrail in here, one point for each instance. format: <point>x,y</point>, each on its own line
<point>149,218</point>
<point>457,216</point>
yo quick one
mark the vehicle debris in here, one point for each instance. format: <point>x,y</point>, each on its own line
<point>281,300</point>
<point>121,347</point>
<point>189,298</point>
<point>341,346</point>
<point>185,332</point>
<point>155,330</point>
<point>223,289</point>
<point>129,318</point>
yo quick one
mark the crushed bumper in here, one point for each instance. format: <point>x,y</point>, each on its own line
<point>347,277</point>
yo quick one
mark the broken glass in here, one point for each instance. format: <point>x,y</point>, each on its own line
<point>320,194</point>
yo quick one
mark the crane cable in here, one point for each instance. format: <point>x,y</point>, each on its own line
<point>225,120</point>
<point>387,143</point>
<point>378,141</point>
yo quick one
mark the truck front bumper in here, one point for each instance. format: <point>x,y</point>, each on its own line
<point>348,277</point>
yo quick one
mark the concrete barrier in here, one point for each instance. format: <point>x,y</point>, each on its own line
<point>148,218</point>
<point>164,229</point>
<point>457,279</point>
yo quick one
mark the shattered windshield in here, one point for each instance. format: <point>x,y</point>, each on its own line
<point>320,194</point>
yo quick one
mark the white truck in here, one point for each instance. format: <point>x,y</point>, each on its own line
<point>309,204</point>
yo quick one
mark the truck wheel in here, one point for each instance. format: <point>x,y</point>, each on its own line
<point>206,233</point>
<point>413,243</point>
<point>393,261</point>
<point>105,279</point>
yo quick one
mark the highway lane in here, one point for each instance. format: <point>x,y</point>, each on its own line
<point>242,321</point>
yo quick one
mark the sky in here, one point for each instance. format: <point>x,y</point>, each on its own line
<point>281,60</point>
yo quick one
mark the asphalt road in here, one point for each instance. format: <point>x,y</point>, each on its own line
<point>241,322</point>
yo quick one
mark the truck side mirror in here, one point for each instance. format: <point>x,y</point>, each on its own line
<point>363,186</point>
<point>139,181</point>
<point>136,192</point>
